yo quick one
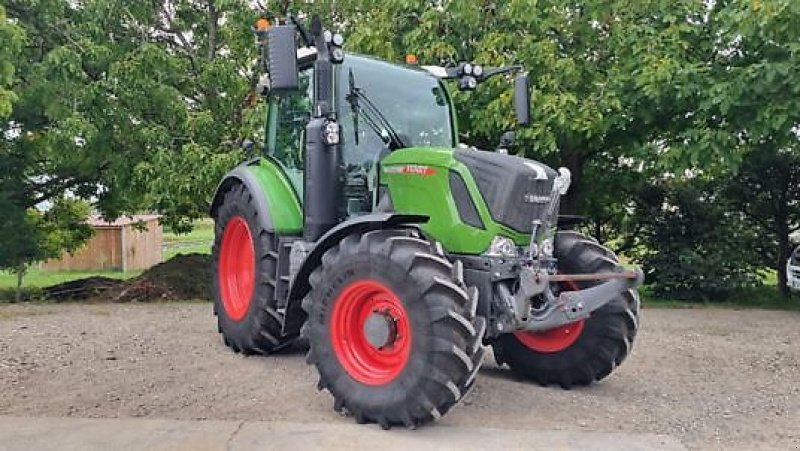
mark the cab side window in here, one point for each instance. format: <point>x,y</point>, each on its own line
<point>292,115</point>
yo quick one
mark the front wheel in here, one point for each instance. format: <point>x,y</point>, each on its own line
<point>392,328</point>
<point>583,352</point>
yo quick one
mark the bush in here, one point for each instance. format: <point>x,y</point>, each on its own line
<point>694,248</point>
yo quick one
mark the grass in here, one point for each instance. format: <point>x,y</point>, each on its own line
<point>37,278</point>
<point>203,231</point>
<point>736,305</point>
<point>766,297</point>
<point>197,241</point>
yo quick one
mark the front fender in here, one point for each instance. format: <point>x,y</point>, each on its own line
<point>277,204</point>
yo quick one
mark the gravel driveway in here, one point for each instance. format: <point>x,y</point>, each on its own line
<point>711,378</point>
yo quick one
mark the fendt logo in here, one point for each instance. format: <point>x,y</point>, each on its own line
<point>529,198</point>
<point>410,169</point>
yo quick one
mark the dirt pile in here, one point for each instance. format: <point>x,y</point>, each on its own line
<point>179,278</point>
<point>75,290</point>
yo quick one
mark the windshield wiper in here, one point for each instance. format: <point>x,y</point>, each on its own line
<point>363,107</point>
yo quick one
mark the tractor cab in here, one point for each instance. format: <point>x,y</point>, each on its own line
<point>405,100</point>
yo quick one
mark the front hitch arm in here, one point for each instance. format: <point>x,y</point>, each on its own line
<point>571,306</point>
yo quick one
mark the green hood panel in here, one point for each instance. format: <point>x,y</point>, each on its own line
<point>419,183</point>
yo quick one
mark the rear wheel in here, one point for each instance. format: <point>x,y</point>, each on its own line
<point>244,261</point>
<point>392,328</point>
<point>585,351</point>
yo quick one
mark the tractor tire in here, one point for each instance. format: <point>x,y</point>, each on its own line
<point>583,352</point>
<point>243,264</point>
<point>425,347</point>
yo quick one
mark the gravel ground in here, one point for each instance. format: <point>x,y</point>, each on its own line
<point>715,379</point>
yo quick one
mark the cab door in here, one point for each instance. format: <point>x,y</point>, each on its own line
<point>287,117</point>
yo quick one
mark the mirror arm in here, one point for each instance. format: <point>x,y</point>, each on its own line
<point>303,31</point>
<point>492,71</point>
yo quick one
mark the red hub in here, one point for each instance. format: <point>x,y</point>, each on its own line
<point>370,332</point>
<point>555,339</point>
<point>237,268</point>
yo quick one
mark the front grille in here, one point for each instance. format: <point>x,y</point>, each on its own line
<point>530,199</point>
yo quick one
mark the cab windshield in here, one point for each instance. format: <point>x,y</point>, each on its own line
<point>414,102</point>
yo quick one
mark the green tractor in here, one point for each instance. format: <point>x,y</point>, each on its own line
<point>398,254</point>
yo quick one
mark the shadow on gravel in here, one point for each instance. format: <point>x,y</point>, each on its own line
<point>504,373</point>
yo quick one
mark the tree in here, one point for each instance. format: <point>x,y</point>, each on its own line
<point>135,105</point>
<point>766,190</point>
<point>29,236</point>
<point>10,44</point>
<point>130,106</point>
<point>754,96</point>
<point>694,245</point>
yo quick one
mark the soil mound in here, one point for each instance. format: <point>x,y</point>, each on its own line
<point>182,277</point>
<point>179,278</point>
<point>75,290</point>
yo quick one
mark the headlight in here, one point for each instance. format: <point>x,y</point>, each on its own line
<point>502,247</point>
<point>562,181</point>
<point>337,55</point>
<point>331,133</point>
<point>547,247</point>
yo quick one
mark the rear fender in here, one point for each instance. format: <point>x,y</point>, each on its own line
<point>277,204</point>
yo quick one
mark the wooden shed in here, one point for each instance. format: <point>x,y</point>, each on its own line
<point>127,244</point>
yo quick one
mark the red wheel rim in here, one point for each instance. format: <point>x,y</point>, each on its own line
<point>555,339</point>
<point>363,361</point>
<point>237,268</point>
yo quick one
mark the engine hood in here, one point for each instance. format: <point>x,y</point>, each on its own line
<point>516,190</point>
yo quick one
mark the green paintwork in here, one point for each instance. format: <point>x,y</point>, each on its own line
<point>428,193</point>
<point>283,202</point>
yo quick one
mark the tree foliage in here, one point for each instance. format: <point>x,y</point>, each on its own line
<point>766,190</point>
<point>131,106</point>
<point>107,91</point>
<point>692,246</point>
<point>10,44</point>
<point>28,236</point>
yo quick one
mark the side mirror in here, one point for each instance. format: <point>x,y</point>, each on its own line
<point>282,56</point>
<point>522,100</point>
